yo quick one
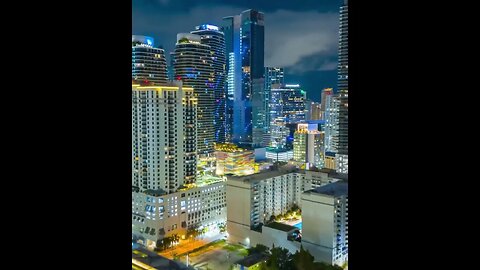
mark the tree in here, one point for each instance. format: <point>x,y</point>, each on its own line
<point>279,259</point>
<point>167,241</point>
<point>303,259</point>
<point>259,248</point>
<point>325,266</point>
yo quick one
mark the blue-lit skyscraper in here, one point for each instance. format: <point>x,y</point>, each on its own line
<point>273,75</point>
<point>212,36</point>
<point>287,106</point>
<point>245,38</point>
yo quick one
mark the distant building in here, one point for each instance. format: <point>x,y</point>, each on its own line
<point>233,160</point>
<point>308,146</point>
<point>323,105</point>
<point>278,154</point>
<point>287,106</point>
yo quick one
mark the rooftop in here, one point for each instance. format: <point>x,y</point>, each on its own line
<point>334,189</point>
<point>252,259</point>
<point>281,226</point>
<point>273,172</point>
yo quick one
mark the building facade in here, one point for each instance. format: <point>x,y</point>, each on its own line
<point>148,63</point>
<point>245,47</point>
<point>156,214</point>
<point>213,37</point>
<point>325,92</point>
<point>342,156</point>
<point>287,106</point>
<point>251,200</point>
<point>325,222</point>
<point>308,148</point>
<point>194,66</point>
<point>163,137</point>
<point>331,123</point>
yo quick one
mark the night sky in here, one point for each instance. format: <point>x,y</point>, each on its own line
<point>301,36</point>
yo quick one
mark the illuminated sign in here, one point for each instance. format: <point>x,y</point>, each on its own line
<point>292,85</point>
<point>208,27</point>
<point>149,41</point>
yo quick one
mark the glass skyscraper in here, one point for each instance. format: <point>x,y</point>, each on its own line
<point>212,36</point>
<point>273,75</point>
<point>287,106</point>
<point>245,38</point>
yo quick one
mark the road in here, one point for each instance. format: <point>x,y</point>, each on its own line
<point>189,245</point>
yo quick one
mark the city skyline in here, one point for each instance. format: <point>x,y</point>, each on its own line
<point>309,56</point>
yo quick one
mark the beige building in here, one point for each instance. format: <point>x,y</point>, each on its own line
<point>156,214</point>
<point>251,200</point>
<point>325,222</point>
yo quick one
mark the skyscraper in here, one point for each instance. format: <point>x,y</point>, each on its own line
<point>148,63</point>
<point>313,110</point>
<point>331,124</point>
<point>325,92</point>
<point>163,137</point>
<point>308,146</point>
<point>245,48</point>
<point>287,106</point>
<point>193,65</point>
<point>213,37</point>
<point>273,76</point>
<point>342,157</point>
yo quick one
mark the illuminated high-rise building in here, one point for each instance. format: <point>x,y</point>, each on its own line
<point>308,147</point>
<point>331,124</point>
<point>148,63</point>
<point>163,137</point>
<point>313,110</point>
<point>342,156</point>
<point>273,76</point>
<point>194,66</point>
<point>213,37</point>
<point>244,38</point>
<point>287,106</point>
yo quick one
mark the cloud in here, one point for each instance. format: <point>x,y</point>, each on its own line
<point>164,26</point>
<point>300,41</point>
<point>291,38</point>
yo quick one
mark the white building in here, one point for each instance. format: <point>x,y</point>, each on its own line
<point>325,222</point>
<point>308,148</point>
<point>251,200</point>
<point>163,137</point>
<point>156,214</point>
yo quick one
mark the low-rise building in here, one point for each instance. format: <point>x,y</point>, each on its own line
<point>156,214</point>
